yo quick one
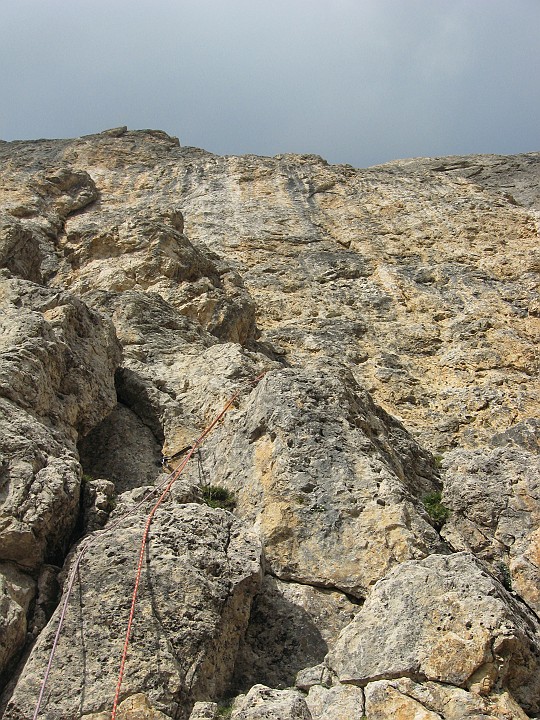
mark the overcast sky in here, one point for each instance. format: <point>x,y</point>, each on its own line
<point>356,81</point>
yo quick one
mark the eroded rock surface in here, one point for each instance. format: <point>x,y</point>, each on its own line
<point>494,497</point>
<point>264,703</point>
<point>405,699</point>
<point>291,626</point>
<point>17,591</point>
<point>443,619</point>
<point>200,575</point>
<point>331,480</point>
<point>395,313</point>
<point>58,359</point>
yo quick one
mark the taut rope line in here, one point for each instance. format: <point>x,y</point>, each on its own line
<point>167,483</point>
<point>151,514</point>
<point>85,545</point>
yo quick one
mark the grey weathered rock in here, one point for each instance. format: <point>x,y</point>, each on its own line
<point>204,711</point>
<point>175,375</point>
<point>443,619</point>
<point>264,703</point>
<point>291,627</point>
<point>17,591</point>
<point>341,702</point>
<point>122,449</point>
<point>56,382</point>
<point>19,250</point>
<point>404,698</point>
<point>135,707</point>
<point>494,498</point>
<point>331,481</point>
<point>58,357</point>
<point>311,676</point>
<point>41,484</point>
<point>201,572</point>
<point>147,251</point>
<point>46,599</point>
<point>98,499</point>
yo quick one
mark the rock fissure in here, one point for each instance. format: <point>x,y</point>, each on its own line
<point>331,588</point>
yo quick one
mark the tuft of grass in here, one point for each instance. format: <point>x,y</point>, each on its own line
<point>217,496</point>
<point>438,512</point>
<point>438,461</point>
<point>225,709</point>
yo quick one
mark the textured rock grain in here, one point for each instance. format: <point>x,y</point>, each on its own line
<point>331,480</point>
<point>202,570</point>
<point>443,619</point>
<point>494,498</point>
<point>17,591</point>
<point>395,310</point>
<point>291,626</point>
<point>406,699</point>
<point>264,703</point>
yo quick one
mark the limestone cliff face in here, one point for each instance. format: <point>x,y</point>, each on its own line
<point>395,314</point>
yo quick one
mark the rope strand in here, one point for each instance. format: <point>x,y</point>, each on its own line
<point>100,537</point>
<point>153,511</point>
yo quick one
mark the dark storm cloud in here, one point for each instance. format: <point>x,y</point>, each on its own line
<point>358,81</point>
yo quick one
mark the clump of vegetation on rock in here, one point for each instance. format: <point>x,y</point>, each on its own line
<point>224,709</point>
<point>217,496</point>
<point>438,512</point>
<point>504,575</point>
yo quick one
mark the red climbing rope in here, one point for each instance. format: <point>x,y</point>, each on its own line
<point>151,514</point>
<point>95,539</point>
<point>100,537</point>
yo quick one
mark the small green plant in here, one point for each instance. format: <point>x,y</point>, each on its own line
<point>504,575</point>
<point>224,709</point>
<point>438,461</point>
<point>438,512</point>
<point>217,496</point>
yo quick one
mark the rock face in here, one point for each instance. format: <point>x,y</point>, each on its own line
<point>442,619</point>
<point>202,570</point>
<point>332,481</point>
<point>377,553</point>
<point>494,498</point>
<point>291,625</point>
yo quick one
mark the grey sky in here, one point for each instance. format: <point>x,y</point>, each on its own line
<point>356,81</point>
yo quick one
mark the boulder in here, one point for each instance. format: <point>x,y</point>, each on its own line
<point>135,707</point>
<point>405,698</point>
<point>443,619</point>
<point>200,572</point>
<point>264,703</point>
<point>291,627</point>
<point>340,702</point>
